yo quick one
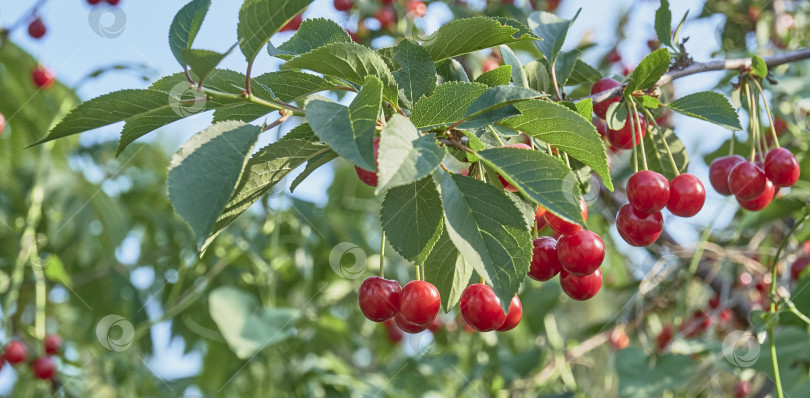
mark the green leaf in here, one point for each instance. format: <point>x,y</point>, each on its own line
<point>411,216</point>
<point>462,36</point>
<point>552,29</point>
<point>312,165</point>
<point>185,26</point>
<point>349,130</point>
<point>451,70</point>
<point>565,129</point>
<point>500,76</point>
<point>663,24</point>
<point>246,326</point>
<point>499,96</point>
<point>313,33</point>
<point>55,271</point>
<point>447,105</point>
<point>417,73</point>
<point>641,378</point>
<point>583,74</point>
<point>448,271</point>
<point>585,108</point>
<point>348,61</point>
<point>657,157</point>
<point>261,19</point>
<point>538,176</point>
<point>677,33</point>
<point>203,62</point>
<point>564,67</point>
<point>759,68</point>
<point>648,71</point>
<point>518,74</point>
<point>537,76</point>
<point>405,155</point>
<point>709,106</point>
<point>205,171</point>
<point>651,102</point>
<point>489,231</point>
<point>616,116</point>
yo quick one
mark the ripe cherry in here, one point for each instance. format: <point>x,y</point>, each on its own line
<point>623,137</point>
<point>545,260</point>
<point>581,287</point>
<point>686,195</point>
<point>113,2</point>
<point>393,331</point>
<point>648,191</point>
<point>43,77</point>
<point>781,167</point>
<point>93,2</point>
<point>436,325</point>
<point>343,5</point>
<point>379,298</point>
<point>419,303</point>
<point>638,228</point>
<point>619,339</point>
<point>798,266</point>
<point>540,212</point>
<point>760,202</point>
<point>489,64</point>
<point>564,227</point>
<point>719,171</point>
<point>407,326</point>
<point>481,308</point>
<point>613,56</point>
<point>581,253</point>
<point>664,337</point>
<point>37,29</point>
<point>43,368</point>
<point>294,24</point>
<point>2,123</point>
<point>52,343</point>
<point>513,317</point>
<point>369,177</point>
<point>415,8</point>
<point>747,181</point>
<point>605,83</point>
<point>15,352</point>
<point>387,17</point>
<point>506,185</point>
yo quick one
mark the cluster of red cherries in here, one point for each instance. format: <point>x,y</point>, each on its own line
<point>43,367</point>
<point>754,184</point>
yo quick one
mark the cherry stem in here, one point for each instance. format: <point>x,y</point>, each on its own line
<point>554,81</point>
<point>382,255</point>
<point>663,139</point>
<point>751,122</point>
<point>731,147</point>
<point>768,111</point>
<point>640,137</point>
<point>247,79</point>
<point>633,132</point>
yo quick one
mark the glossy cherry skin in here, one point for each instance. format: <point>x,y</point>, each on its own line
<point>686,195</point>
<point>369,177</point>
<point>664,337</point>
<point>719,171</point>
<point>481,308</point>
<point>760,202</point>
<point>605,83</point>
<point>393,331</point>
<point>798,266</point>
<point>419,303</point>
<point>623,137</point>
<point>506,185</point>
<point>43,77</point>
<point>638,228</point>
<point>343,5</point>
<point>294,24</point>
<point>93,2</point>
<point>545,260</point>
<point>408,327</point>
<point>513,317</point>
<point>37,29</point>
<point>15,352</point>
<point>43,368</point>
<point>379,298</point>
<point>581,287</point>
<point>52,344</point>
<point>648,191</point>
<point>387,17</point>
<point>581,253</point>
<point>113,2</point>
<point>747,181</point>
<point>781,167</point>
<point>564,227</point>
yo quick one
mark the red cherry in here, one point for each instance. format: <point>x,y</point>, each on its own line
<point>489,64</point>
<point>408,327</point>
<point>506,185</point>
<point>393,331</point>
<point>760,202</point>
<point>719,171</point>
<point>664,337</point>
<point>343,5</point>
<point>436,325</point>
<point>43,77</point>
<point>481,308</point>
<point>564,227</point>
<point>541,223</point>
<point>52,343</point>
<point>113,2</point>
<point>387,17</point>
<point>619,339</point>
<point>781,167</point>
<point>552,5</point>
<point>581,253</point>
<point>623,137</point>
<point>545,261</point>
<point>353,35</point>
<point>581,287</point>
<point>15,352</point>
<point>540,212</point>
<point>798,266</point>
<point>747,181</point>
<point>419,302</point>
<point>686,195</point>
<point>294,24</point>
<point>638,228</point>
<point>743,388</point>
<point>601,126</point>
<point>415,8</point>
<point>37,29</point>
<point>369,177</point>
<point>43,368</point>
<point>93,2</point>
<point>613,56</point>
<point>379,298</point>
<point>2,123</point>
<point>605,83</point>
<point>653,44</point>
<point>695,325</point>
<point>648,191</point>
<point>513,317</point>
